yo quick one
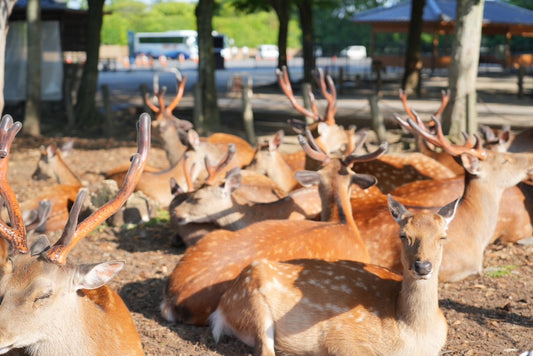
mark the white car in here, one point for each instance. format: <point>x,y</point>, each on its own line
<point>268,51</point>
<point>354,52</point>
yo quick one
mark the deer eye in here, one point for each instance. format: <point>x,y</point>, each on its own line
<point>443,238</point>
<point>43,296</point>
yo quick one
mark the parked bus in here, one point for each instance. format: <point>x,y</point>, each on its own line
<point>171,44</point>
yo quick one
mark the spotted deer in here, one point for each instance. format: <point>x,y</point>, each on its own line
<point>50,306</point>
<point>193,290</point>
<point>234,210</point>
<point>156,184</point>
<point>487,176</point>
<point>314,307</point>
<point>255,188</point>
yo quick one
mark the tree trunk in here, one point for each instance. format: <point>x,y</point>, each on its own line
<point>460,114</point>
<point>305,8</point>
<point>282,9</point>
<point>86,114</point>
<point>206,69</point>
<point>411,81</point>
<point>6,6</point>
<point>32,115</point>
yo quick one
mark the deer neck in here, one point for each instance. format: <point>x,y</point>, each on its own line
<point>64,175</point>
<point>336,206</point>
<point>479,207</point>
<point>172,145</point>
<point>418,302</point>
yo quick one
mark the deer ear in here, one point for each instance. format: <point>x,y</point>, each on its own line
<point>51,150</point>
<point>448,211</point>
<point>470,163</point>
<point>194,139</point>
<point>323,128</point>
<point>397,210</point>
<point>95,275</point>
<point>67,147</point>
<point>233,181</point>
<point>307,178</point>
<point>364,180</point>
<point>275,141</point>
<point>175,187</point>
<point>40,245</point>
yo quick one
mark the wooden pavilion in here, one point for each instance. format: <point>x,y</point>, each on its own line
<point>499,18</point>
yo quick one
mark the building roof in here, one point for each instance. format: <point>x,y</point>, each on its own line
<point>496,14</point>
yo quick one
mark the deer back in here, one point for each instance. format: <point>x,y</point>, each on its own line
<point>395,170</point>
<point>350,307</point>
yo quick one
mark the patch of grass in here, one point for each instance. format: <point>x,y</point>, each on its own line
<point>162,217</point>
<point>501,271</point>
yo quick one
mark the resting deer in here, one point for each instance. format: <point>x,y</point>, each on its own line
<point>202,275</point>
<point>270,162</point>
<point>167,128</point>
<point>49,306</point>
<point>487,176</point>
<point>314,307</point>
<point>255,188</point>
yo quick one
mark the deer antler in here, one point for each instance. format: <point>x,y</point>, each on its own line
<point>314,152</point>
<point>74,232</point>
<point>352,158</point>
<point>285,85</point>
<point>331,97</point>
<point>162,110</point>
<point>214,171</point>
<point>16,233</point>
<point>439,140</point>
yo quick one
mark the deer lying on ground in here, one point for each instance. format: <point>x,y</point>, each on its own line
<point>271,163</point>
<point>61,196</point>
<point>202,275</point>
<point>488,174</point>
<point>306,307</point>
<point>156,184</point>
<point>252,187</point>
<point>49,306</point>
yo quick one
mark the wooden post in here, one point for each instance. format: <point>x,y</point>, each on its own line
<point>521,73</point>
<point>198,114</point>
<point>247,113</point>
<point>378,124</point>
<point>144,91</point>
<point>306,87</point>
<point>108,111</point>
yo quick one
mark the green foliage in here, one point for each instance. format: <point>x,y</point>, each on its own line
<point>502,271</point>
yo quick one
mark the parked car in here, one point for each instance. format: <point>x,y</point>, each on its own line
<point>267,51</point>
<point>354,52</point>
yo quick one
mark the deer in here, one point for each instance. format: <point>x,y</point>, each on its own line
<point>234,210</point>
<point>271,163</point>
<point>193,289</point>
<point>156,184</point>
<point>60,196</point>
<point>171,131</point>
<point>488,174</point>
<point>315,307</point>
<point>47,300</point>
<point>256,188</point>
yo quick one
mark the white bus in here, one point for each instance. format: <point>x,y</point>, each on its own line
<point>171,44</point>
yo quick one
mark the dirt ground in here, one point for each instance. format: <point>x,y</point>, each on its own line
<point>490,314</point>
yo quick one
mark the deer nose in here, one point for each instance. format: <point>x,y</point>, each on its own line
<point>423,268</point>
